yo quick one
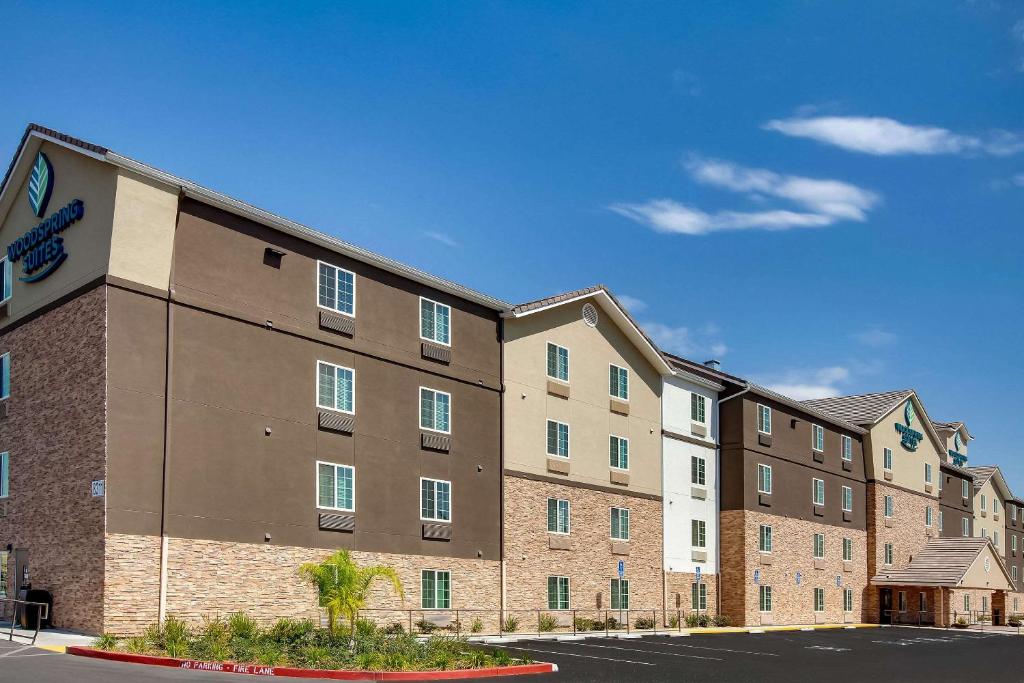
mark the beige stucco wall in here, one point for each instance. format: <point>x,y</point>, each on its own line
<point>907,466</point>
<point>993,579</point>
<point>987,520</point>
<point>528,405</point>
<point>142,245</point>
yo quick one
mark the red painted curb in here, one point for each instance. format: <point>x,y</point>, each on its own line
<point>332,674</point>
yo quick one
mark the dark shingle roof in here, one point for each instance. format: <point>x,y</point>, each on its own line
<point>519,309</point>
<point>864,409</point>
<point>805,407</point>
<point>942,562</point>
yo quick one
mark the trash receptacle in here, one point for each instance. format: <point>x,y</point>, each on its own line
<point>30,614</point>
<point>997,617</point>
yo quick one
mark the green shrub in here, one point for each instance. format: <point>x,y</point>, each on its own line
<point>583,624</point>
<point>106,641</point>
<point>643,623</point>
<point>394,628</point>
<point>691,620</point>
<point>704,620</point>
<point>314,657</point>
<point>673,621</point>
<point>176,636</point>
<point>721,620</point>
<point>425,626</point>
<point>510,624</point>
<point>291,631</point>
<point>241,625</point>
<point>137,645</point>
<point>546,623</point>
<point>268,653</point>
<point>502,658</point>
<point>477,625</point>
<point>611,624</point>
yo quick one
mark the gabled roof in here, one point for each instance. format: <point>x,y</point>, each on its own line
<point>952,427</point>
<point>701,369</point>
<point>35,133</point>
<point>867,410</point>
<point>983,473</point>
<point>942,562</point>
<point>616,311</point>
<point>804,408</point>
<point>962,471</point>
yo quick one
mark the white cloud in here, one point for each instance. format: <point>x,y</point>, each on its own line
<point>886,137</point>
<point>875,336</point>
<point>441,237</point>
<point>807,384</point>
<point>632,304</point>
<point>1018,180</point>
<point>686,342</point>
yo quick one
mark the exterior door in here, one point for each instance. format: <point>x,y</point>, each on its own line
<point>885,606</point>
<point>21,575</point>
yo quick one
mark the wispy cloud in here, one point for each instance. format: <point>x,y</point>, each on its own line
<point>821,202</point>
<point>441,237</point>
<point>805,384</point>
<point>632,304</point>
<point>684,341</point>
<point>875,337</point>
<point>888,137</point>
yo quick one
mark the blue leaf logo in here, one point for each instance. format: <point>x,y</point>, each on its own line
<point>908,412</point>
<point>40,185</point>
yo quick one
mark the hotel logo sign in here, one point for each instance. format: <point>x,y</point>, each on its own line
<point>41,249</point>
<point>909,438</point>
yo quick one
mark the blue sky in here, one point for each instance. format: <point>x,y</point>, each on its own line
<point>825,195</point>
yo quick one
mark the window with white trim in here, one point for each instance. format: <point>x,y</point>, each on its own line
<point>847,499</point>
<point>927,473</point>
<point>940,519</point>
<point>335,485</point>
<point>618,452</point>
<point>435,322</point>
<point>984,603</point>
<point>558,439</point>
<point>922,603</point>
<point>967,602</point>
<point>765,598</point>
<point>765,538</point>
<point>848,600</point>
<point>887,459</point>
<point>964,493</point>
<point>5,376</point>
<point>818,491</point>
<point>435,410</point>
<point>436,589</point>
<point>336,289</point>
<point>698,474</point>
<point>620,593</point>
<point>1013,541</point>
<point>984,503</point>
<point>1013,572</point>
<point>819,546</point>
<point>699,595</point>
<point>698,408</point>
<point>698,529</point>
<point>335,387</point>
<point>558,362</point>
<point>888,553</point>
<point>890,506</point>
<point>764,478</point>
<point>558,515</point>
<point>847,448</point>
<point>5,474</point>
<point>902,603</point>
<point>435,500</point>
<point>620,524</point>
<point>7,281</point>
<point>817,437</point>
<point>847,550</point>
<point>618,382</point>
<point>764,419</point>
<point>819,599</point>
<point>995,539</point>
<point>558,592</point>
<point>4,559</point>
<point>965,527</point>
<point>928,516</point>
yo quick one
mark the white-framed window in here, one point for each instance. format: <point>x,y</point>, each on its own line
<point>618,382</point>
<point>435,410</point>
<point>887,459</point>
<point>558,515</point>
<point>698,531</point>
<point>995,539</point>
<point>558,362</point>
<point>848,600</point>
<point>927,473</point>
<point>941,477</point>
<point>928,516</point>
<point>4,559</point>
<point>618,452</point>
<point>922,603</point>
<point>335,486</point>
<point>847,499</point>
<point>819,599</point>
<point>818,491</point>
<point>995,506</point>
<point>699,595</point>
<point>698,471</point>
<point>819,546</point>
<point>336,289</point>
<point>847,550</point>
<point>435,500</point>
<point>1013,572</point>
<point>889,506</point>
<point>698,408</point>
<point>817,437</point>
<point>5,474</point>
<point>967,603</point>
<point>558,439</point>
<point>335,387</point>
<point>558,592</point>
<point>620,524</point>
<point>7,281</point>
<point>620,593</point>
<point>984,503</point>
<point>902,601</point>
<point>5,376</point>
<point>764,478</point>
<point>847,448</point>
<point>940,519</point>
<point>1013,512</point>
<point>965,527</point>
<point>1013,540</point>
<point>765,598</point>
<point>435,322</point>
<point>765,538</point>
<point>964,493</point>
<point>436,589</point>
<point>888,553</point>
<point>764,419</point>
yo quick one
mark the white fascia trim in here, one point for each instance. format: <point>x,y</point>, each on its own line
<point>42,136</point>
<point>697,379</point>
<point>926,422</point>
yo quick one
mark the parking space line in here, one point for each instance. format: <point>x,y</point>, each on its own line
<point>717,649</point>
<point>573,654</point>
<point>650,652</point>
<point>15,651</point>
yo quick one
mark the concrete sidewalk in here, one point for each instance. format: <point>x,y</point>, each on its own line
<point>53,639</point>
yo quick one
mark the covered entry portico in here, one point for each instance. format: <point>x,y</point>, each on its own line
<point>950,579</point>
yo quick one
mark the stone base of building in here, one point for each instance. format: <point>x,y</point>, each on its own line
<point>679,595</point>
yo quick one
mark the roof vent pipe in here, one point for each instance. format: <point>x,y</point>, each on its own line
<point>713,364</point>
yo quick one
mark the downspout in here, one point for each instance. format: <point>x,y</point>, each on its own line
<point>718,494</point>
<point>501,462</point>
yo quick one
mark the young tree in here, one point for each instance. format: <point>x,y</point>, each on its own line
<point>343,586</point>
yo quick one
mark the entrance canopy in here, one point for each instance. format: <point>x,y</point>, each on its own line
<point>951,563</point>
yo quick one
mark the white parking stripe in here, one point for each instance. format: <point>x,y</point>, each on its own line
<point>634,649</point>
<point>717,649</point>
<point>20,649</point>
<point>570,654</point>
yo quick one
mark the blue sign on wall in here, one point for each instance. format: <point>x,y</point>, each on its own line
<point>622,568</point>
<point>909,438</point>
<point>698,573</point>
<point>799,577</point>
<point>757,577</point>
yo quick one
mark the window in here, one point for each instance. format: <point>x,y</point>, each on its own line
<point>558,515</point>
<point>984,503</point>
<point>620,524</point>
<point>984,603</point>
<point>766,538</point>
<point>963,489</point>
<point>337,289</point>
<point>435,322</point>
<point>967,603</point>
<point>618,452</point>
<point>1013,539</point>
<point>887,459</point>
<point>7,289</point>
<point>335,387</point>
<point>620,593</point>
<point>888,553</point>
<point>697,471</point>
<point>847,448</point>
<point>847,499</point>
<point>764,419</point>
<point>819,546</point>
<point>697,408</point>
<point>922,603</point>
<point>928,516</point>
<point>847,550</point>
<point>435,410</point>
<point>558,362</point>
<point>940,520</point>
<point>699,595</point>
<point>817,438</point>
<point>848,600</point>
<point>765,593</point>
<point>995,539</point>
<point>818,491</point>
<point>927,473</point>
<point>335,485</point>
<point>558,439</point>
<point>1013,512</point>
<point>1013,572</point>
<point>435,500</point>
<point>819,599</point>
<point>889,506</point>
<point>940,481</point>
<point>965,524</point>
<point>618,382</point>
<point>4,559</point>
<point>5,376</point>
<point>436,589</point>
<point>764,478</point>
<point>902,601</point>
<point>697,533</point>
<point>558,592</point>
<point>995,506</point>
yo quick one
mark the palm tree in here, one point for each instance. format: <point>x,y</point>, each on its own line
<point>343,586</point>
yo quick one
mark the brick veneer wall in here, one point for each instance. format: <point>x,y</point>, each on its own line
<point>131,587</point>
<point>792,552</point>
<point>590,563</point>
<point>681,584</point>
<point>908,532</point>
<point>55,431</point>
